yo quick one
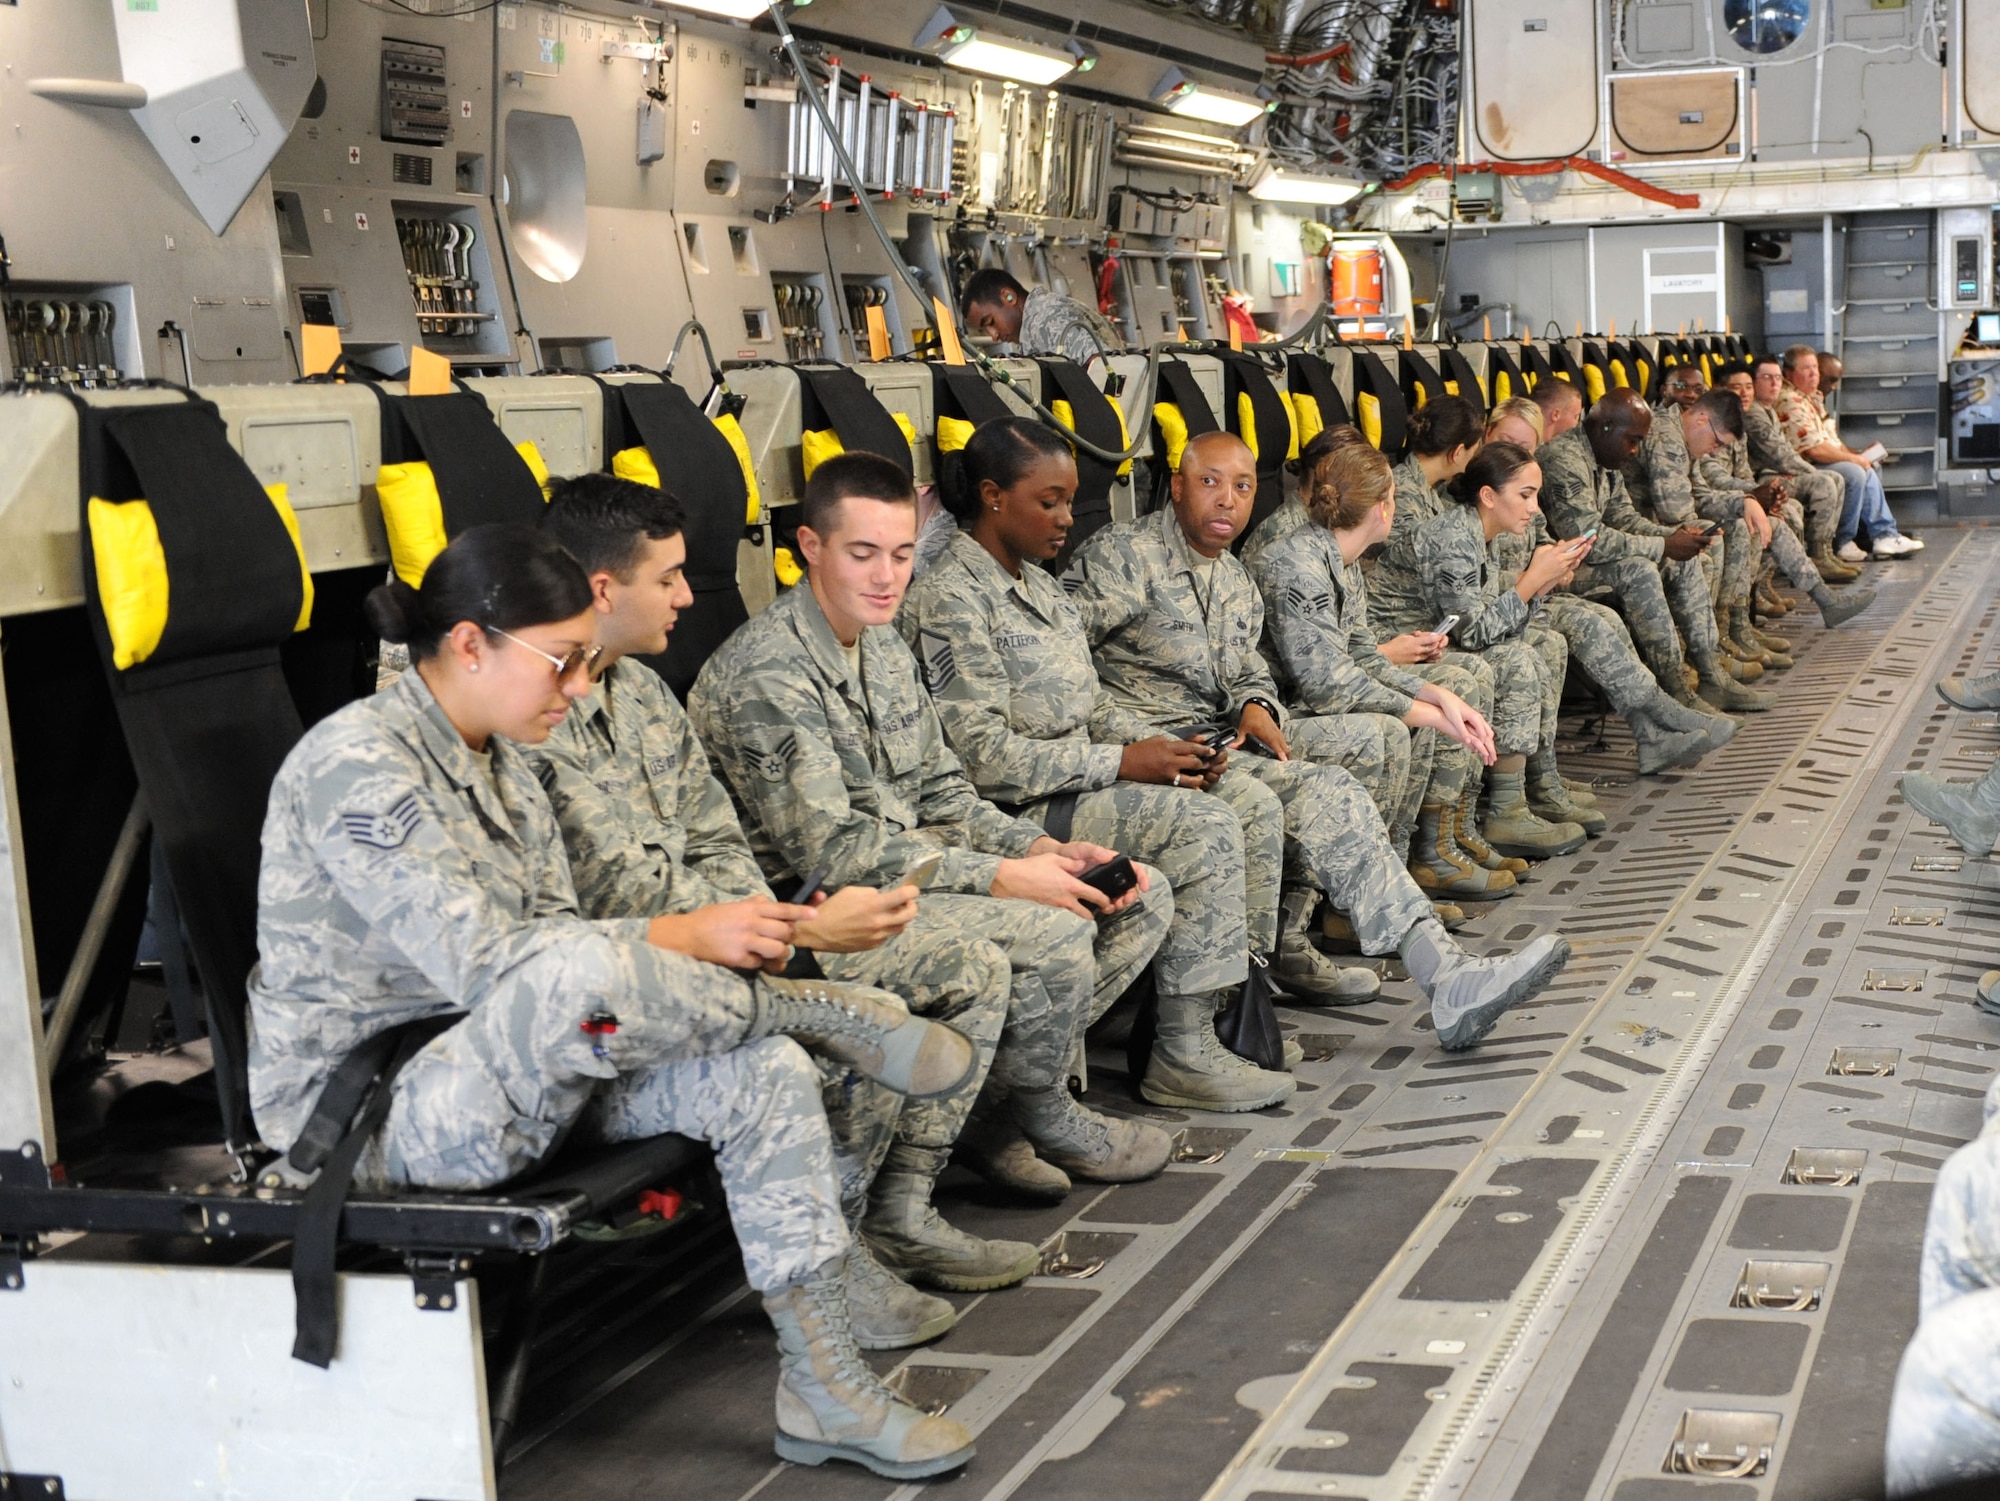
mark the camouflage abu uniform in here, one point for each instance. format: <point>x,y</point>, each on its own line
<point>1821,492</point>
<point>855,780</point>
<point>1319,642</point>
<point>1727,474</point>
<point>649,830</point>
<point>1396,589</point>
<point>1628,557</point>
<point>1009,670</point>
<point>1172,653</point>
<point>1662,483</point>
<point>1054,324</point>
<point>1459,579</point>
<point>402,878</point>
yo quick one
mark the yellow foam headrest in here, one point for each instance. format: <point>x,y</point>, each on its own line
<point>1173,427</point>
<point>1422,397</point>
<point>1306,419</point>
<point>786,567</point>
<point>413,516</point>
<point>953,433</point>
<point>1503,387</point>
<point>1246,423</point>
<point>1593,384</point>
<point>1124,432</point>
<point>132,582</point>
<point>1618,376</point>
<point>732,432</point>
<point>532,457</point>
<point>1368,416</point>
<point>816,447</point>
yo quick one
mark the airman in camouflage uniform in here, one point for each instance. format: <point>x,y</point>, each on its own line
<point>1175,635</point>
<point>401,879</point>
<point>1170,655</point>
<point>1054,324</point>
<point>1822,492</point>
<point>1661,482</point>
<point>1629,558</point>
<point>1396,590</point>
<point>854,781</point>
<point>1010,673</point>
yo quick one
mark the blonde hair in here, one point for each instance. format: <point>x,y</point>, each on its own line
<point>1346,484</point>
<point>1521,407</point>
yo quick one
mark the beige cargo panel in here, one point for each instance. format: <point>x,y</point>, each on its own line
<point>1677,116</point>
<point>1534,78</point>
<point>1979,55</point>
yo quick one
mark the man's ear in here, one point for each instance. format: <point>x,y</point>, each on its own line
<point>810,544</point>
<point>600,591</point>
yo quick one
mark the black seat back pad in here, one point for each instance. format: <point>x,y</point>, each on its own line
<point>480,478</point>
<point>1309,375</point>
<point>1096,423</point>
<point>836,397</point>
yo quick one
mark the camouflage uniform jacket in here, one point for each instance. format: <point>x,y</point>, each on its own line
<point>648,828</point>
<point>1771,452</point>
<point>1009,670</point>
<point>850,779</point>
<point>1289,518</point>
<point>397,882</point>
<point>1054,324</point>
<point>1316,632</point>
<point>1730,468</point>
<point>1459,579</point>
<point>1397,588</point>
<point>1578,494</point>
<point>1664,481</point>
<point>1171,650</point>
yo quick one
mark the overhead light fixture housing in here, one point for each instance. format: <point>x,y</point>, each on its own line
<point>963,45</point>
<point>1085,54</point>
<point>1181,95</point>
<point>1280,185</point>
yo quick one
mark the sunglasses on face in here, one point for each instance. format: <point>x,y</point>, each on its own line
<point>567,663</point>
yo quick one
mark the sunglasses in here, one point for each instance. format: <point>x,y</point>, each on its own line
<point>567,663</point>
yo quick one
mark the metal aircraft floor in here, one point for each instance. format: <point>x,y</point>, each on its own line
<point>1509,1273</point>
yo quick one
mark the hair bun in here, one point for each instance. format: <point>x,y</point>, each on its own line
<point>393,611</point>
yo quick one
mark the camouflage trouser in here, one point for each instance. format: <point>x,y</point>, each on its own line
<point>1333,840</point>
<point>1640,589</point>
<point>1790,555</point>
<point>1944,1418</point>
<point>1600,644</point>
<point>1518,672</point>
<point>1378,752</point>
<point>1736,557</point>
<point>1823,494</point>
<point>1198,844</point>
<point>1021,979</point>
<point>1553,653</point>
<point>489,1098</point>
<point>1449,762</point>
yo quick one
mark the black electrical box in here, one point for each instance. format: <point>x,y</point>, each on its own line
<point>415,106</point>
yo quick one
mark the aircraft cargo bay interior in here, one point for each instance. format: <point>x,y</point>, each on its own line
<point>1200,750</point>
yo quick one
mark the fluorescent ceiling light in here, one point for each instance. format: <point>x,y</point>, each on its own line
<point>1279,186</point>
<point>731,10</point>
<point>1183,96</point>
<point>963,46</point>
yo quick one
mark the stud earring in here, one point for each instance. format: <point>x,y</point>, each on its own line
<point>472,667</point>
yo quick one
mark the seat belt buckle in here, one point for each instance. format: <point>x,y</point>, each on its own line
<point>598,1026</point>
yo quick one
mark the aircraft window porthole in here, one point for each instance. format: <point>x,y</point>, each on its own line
<point>1766,26</point>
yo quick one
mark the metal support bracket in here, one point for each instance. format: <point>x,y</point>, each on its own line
<point>30,1487</point>
<point>15,1251</point>
<point>434,1280</point>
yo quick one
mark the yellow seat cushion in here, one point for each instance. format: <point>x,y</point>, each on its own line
<point>1368,416</point>
<point>1173,428</point>
<point>786,567</point>
<point>1306,419</point>
<point>821,444</point>
<point>413,515</point>
<point>1593,384</point>
<point>732,432</point>
<point>953,433</point>
<point>636,465</point>
<point>131,567</point>
<point>532,457</point>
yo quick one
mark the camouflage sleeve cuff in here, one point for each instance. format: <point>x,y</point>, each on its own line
<point>969,871</point>
<point>624,929</point>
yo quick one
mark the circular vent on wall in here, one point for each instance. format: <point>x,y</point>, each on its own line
<point>542,188</point>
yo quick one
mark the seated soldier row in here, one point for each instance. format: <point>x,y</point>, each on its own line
<point>570,892</point>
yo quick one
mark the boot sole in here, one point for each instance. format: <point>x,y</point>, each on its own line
<point>1970,705</point>
<point>959,1282</point>
<point>1970,849</point>
<point>941,1325</point>
<point>1478,1022</point>
<point>1486,894</point>
<point>801,1451</point>
<point>1530,852</point>
<point>1219,1107</point>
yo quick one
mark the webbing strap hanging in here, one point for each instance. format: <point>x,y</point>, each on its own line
<point>1421,383</point>
<point>316,1238</point>
<point>480,478</point>
<point>1458,370</point>
<point>1245,376</point>
<point>1184,391</point>
<point>1378,403</point>
<point>697,465</point>
<point>1097,424</point>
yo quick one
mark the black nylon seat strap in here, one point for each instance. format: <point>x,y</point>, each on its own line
<point>316,1239</point>
<point>480,479</point>
<point>847,406</point>
<point>1309,375</point>
<point>1096,423</point>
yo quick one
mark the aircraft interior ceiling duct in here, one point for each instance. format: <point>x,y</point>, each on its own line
<point>225,81</point>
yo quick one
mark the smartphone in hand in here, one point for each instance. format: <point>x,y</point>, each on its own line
<point>924,871</point>
<point>1114,877</point>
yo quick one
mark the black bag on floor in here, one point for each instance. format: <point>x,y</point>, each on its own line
<point>1248,1025</point>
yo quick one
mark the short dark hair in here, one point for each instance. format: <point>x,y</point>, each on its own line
<point>1002,450</point>
<point>604,522</point>
<point>1758,362</point>
<point>986,286</point>
<point>1723,410</point>
<point>1551,394</point>
<point>500,577</point>
<point>865,476</point>
<point>1490,468</point>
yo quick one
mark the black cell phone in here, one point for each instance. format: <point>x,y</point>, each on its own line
<point>1712,528</point>
<point>1253,743</point>
<point>808,888</point>
<point>1114,877</point>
